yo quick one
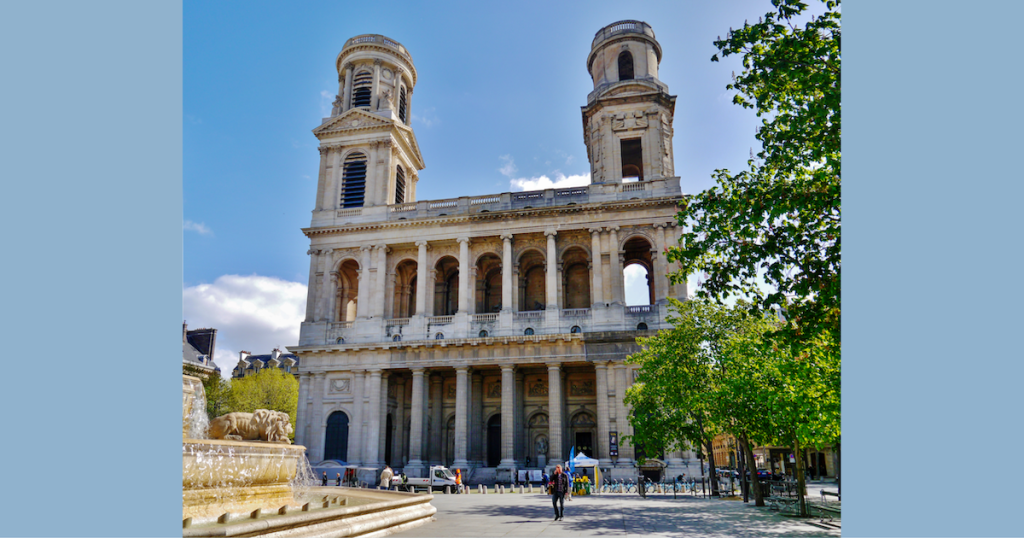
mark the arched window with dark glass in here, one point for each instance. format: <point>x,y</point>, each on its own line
<point>361,89</point>
<point>336,443</point>
<point>402,106</point>
<point>399,185</point>
<point>641,326</point>
<point>528,331</point>
<point>575,329</point>
<point>625,65</point>
<point>353,186</point>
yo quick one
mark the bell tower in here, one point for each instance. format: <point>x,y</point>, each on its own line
<point>627,121</point>
<point>368,152</point>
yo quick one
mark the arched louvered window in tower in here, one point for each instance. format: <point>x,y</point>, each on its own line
<point>353,185</point>
<point>399,186</point>
<point>361,89</point>
<point>401,106</point>
<point>625,66</point>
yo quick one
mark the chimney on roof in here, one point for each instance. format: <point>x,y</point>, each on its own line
<point>184,332</point>
<point>275,354</point>
<point>242,355</point>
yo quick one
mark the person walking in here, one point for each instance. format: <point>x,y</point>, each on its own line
<point>323,481</point>
<point>337,479</point>
<point>385,477</point>
<point>559,488</point>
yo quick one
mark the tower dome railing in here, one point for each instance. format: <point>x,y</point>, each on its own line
<point>379,40</point>
<point>621,27</point>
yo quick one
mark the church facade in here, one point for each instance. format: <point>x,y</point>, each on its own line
<point>486,333</point>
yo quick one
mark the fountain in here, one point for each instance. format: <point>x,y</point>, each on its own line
<point>265,488</point>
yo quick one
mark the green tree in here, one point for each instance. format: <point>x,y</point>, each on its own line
<point>215,387</point>
<point>270,389</point>
<point>780,220</point>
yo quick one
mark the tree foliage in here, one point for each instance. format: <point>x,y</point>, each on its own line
<point>271,389</point>
<point>714,373</point>
<point>780,220</point>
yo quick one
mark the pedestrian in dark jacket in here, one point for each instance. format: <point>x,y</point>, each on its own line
<point>323,481</point>
<point>337,479</point>
<point>559,489</point>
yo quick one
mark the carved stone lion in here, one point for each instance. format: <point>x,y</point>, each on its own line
<point>263,425</point>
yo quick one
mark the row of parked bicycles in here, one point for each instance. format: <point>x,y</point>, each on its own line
<point>629,486</point>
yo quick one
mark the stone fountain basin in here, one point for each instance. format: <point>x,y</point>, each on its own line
<point>209,463</point>
<point>367,513</point>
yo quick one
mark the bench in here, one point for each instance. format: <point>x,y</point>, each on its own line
<point>781,503</point>
<point>825,494</point>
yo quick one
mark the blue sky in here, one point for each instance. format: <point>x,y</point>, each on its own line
<point>496,108</point>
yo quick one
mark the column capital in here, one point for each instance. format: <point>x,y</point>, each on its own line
<point>550,232</point>
<point>418,372</point>
<point>311,252</point>
<point>463,239</point>
<point>661,225</point>
<point>467,369</point>
<point>382,246</point>
<point>554,366</point>
<point>510,367</point>
<point>423,244</point>
<point>358,371</point>
<point>594,231</point>
<point>319,375</point>
<point>323,149</point>
<point>601,364</point>
<point>365,248</point>
<point>347,66</point>
<point>377,62</point>
<point>384,374</point>
<point>507,236</point>
<point>612,229</point>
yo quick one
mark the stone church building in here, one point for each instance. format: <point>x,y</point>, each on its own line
<point>486,333</point>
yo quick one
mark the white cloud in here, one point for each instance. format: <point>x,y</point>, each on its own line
<point>326,103</point>
<point>427,117</point>
<point>544,182</point>
<point>635,284</point>
<point>509,168</point>
<point>197,227</point>
<point>252,313</point>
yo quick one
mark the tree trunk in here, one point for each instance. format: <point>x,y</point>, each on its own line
<point>752,465</point>
<point>800,489</point>
<point>709,450</point>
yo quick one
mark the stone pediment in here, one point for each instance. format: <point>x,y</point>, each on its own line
<point>352,120</point>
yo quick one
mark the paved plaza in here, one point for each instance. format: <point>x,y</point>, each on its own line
<point>609,515</point>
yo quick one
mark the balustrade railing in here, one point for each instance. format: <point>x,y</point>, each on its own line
<point>341,324</point>
<point>531,315</point>
<point>485,317</point>
<point>643,309</point>
<point>635,186</point>
<point>440,320</point>
<point>443,203</point>
<point>349,212</point>
<point>576,313</point>
<point>484,200</point>
<point>401,208</point>
<point>397,322</point>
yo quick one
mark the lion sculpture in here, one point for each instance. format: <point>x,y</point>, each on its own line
<point>263,425</point>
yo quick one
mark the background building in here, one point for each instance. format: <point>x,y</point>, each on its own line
<point>487,333</point>
<point>197,347</point>
<point>249,364</point>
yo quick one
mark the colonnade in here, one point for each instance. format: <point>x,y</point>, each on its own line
<point>329,289</point>
<point>368,408</point>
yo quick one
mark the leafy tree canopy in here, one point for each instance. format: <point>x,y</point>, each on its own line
<point>271,388</point>
<point>780,220</point>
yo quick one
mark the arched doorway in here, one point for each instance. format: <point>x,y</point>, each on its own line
<point>446,286</point>
<point>638,271</point>
<point>575,279</point>
<point>336,444</point>
<point>488,284</point>
<point>404,304</point>
<point>532,290</point>
<point>494,440</point>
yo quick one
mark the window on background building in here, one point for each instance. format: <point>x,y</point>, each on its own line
<point>439,336</point>
<point>402,106</point>
<point>641,327</point>
<point>399,185</point>
<point>528,331</point>
<point>632,160</point>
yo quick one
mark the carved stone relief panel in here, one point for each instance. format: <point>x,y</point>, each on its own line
<point>631,120</point>
<point>582,387</point>
<point>342,385</point>
<point>449,389</point>
<point>492,388</point>
<point>537,389</point>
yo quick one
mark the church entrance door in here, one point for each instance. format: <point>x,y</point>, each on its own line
<point>494,441</point>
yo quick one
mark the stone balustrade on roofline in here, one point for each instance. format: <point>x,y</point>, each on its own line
<point>377,39</point>
<point>595,193</point>
<point>621,27</point>
<point>477,327</point>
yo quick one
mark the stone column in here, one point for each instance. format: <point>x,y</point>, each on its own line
<point>383,420</point>
<point>507,416</point>
<point>556,454</point>
<point>333,181</point>
<point>416,422</point>
<point>622,415</point>
<point>421,283</point>
<point>461,410</point>
<point>436,416</point>
<point>476,419</point>
<point>321,181</point>
<point>363,302</point>
<point>380,281</point>
<point>332,302</point>
<point>506,272</point>
<point>517,429</point>
<point>300,411</point>
<point>317,450</point>
<point>347,96</point>
<point>379,195</point>
<point>355,428</point>
<point>311,291</point>
<point>465,275</point>
<point>372,439</point>
<point>597,282</point>
<point>603,420</point>
<point>398,442</point>
<point>375,100</point>
<point>615,266</point>
<point>551,282</point>
<point>661,291</point>
<point>327,289</point>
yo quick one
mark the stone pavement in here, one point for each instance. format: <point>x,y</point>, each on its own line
<point>608,515</point>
